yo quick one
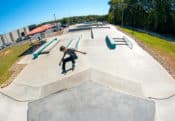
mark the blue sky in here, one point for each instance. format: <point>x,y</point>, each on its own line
<point>18,13</point>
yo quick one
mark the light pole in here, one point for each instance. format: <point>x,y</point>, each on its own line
<point>123,7</point>
<point>113,11</point>
<point>122,15</point>
<point>131,10</point>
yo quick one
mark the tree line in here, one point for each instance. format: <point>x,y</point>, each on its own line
<point>154,15</point>
<point>78,19</point>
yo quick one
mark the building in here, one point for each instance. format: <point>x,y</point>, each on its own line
<point>44,31</point>
<point>23,33</point>
<point>13,36</point>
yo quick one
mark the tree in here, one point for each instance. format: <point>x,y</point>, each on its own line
<point>156,15</point>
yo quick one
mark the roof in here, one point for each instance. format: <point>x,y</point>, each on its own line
<point>41,29</point>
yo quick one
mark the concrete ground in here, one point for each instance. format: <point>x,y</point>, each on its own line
<point>130,71</point>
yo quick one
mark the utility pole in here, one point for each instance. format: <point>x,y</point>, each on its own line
<point>55,22</point>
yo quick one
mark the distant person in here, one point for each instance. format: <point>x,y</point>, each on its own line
<point>72,57</point>
<point>39,38</point>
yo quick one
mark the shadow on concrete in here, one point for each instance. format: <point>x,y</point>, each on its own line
<point>32,48</point>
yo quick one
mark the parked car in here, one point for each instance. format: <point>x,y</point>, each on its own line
<point>64,25</point>
<point>7,44</point>
<point>19,40</point>
<point>1,47</point>
<point>25,37</point>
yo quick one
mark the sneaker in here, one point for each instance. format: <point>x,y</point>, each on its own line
<point>63,72</point>
<point>73,67</point>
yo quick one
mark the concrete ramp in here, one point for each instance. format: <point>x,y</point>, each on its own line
<point>24,92</point>
<point>91,102</point>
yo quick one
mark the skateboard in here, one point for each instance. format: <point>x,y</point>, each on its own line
<point>69,69</point>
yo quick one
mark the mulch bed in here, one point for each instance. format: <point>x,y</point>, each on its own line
<point>15,69</point>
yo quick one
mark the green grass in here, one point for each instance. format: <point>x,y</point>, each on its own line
<point>153,42</point>
<point>8,57</point>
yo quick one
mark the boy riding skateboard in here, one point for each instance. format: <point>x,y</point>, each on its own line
<point>72,57</point>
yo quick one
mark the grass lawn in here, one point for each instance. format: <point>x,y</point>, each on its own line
<point>165,49</point>
<point>8,57</point>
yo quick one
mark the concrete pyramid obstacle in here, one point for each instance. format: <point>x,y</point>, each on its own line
<point>91,101</point>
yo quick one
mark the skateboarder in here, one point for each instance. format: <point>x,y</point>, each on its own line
<point>72,57</point>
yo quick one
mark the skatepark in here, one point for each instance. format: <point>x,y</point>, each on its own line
<point>115,80</point>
